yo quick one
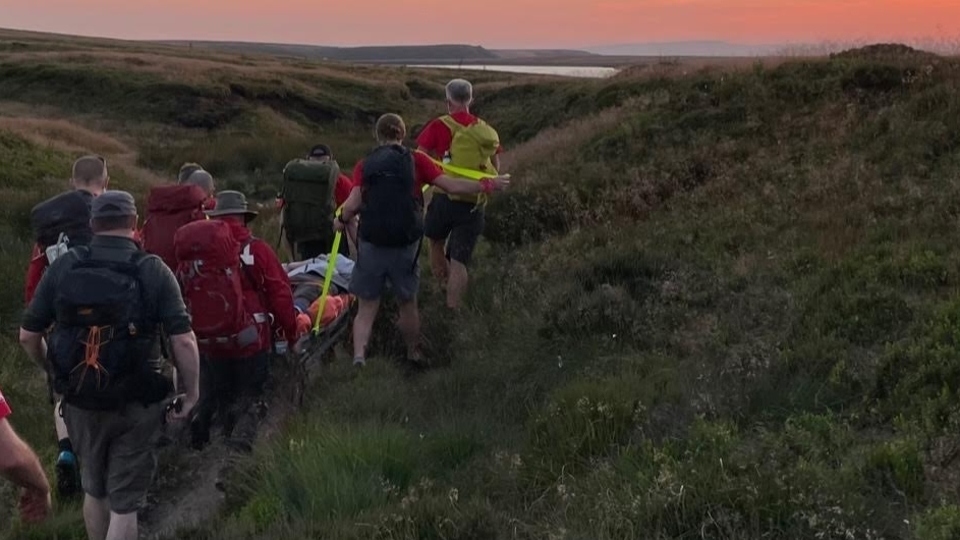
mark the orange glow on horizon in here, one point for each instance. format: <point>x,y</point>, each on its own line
<point>499,23</point>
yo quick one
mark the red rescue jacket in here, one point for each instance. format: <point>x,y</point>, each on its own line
<point>271,292</point>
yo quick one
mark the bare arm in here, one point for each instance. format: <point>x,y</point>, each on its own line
<point>352,237</point>
<point>19,463</point>
<point>351,206</point>
<point>459,186</point>
<point>187,359</point>
<point>35,346</point>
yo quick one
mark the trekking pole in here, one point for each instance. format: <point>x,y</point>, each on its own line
<point>331,263</point>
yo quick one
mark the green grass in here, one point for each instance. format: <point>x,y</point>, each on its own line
<point>719,305</point>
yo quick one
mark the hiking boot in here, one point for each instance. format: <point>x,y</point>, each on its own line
<point>359,362</point>
<point>68,475</point>
<point>164,440</point>
<point>239,444</point>
<point>199,435</point>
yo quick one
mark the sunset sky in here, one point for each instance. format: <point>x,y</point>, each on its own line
<point>495,23</point>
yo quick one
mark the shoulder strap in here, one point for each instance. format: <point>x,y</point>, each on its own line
<point>139,257</point>
<point>246,272</point>
<point>81,253</point>
<point>245,252</point>
<point>455,127</point>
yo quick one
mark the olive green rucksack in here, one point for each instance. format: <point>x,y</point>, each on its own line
<point>307,194</point>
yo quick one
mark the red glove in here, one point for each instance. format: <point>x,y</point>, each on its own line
<point>303,325</point>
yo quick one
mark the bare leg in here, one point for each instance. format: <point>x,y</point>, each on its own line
<point>351,234</point>
<point>123,526</point>
<point>457,285</point>
<point>96,515</point>
<point>58,421</point>
<point>362,327</point>
<point>438,261</point>
<point>409,324</point>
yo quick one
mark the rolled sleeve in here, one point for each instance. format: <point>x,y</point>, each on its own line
<point>40,313</point>
<point>4,407</point>
<point>171,310</point>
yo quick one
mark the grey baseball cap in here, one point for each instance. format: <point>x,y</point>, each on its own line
<point>113,204</point>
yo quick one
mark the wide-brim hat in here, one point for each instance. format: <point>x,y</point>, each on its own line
<point>231,203</point>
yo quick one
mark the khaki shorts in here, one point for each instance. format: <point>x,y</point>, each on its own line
<point>117,451</point>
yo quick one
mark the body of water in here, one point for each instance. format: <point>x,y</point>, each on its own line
<point>568,71</point>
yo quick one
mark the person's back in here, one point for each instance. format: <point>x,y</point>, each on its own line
<point>312,187</point>
<point>391,215</point>
<point>472,146</point>
<point>220,259</point>
<point>168,209</point>
<point>59,224</point>
<point>388,196</point>
<point>106,302</point>
<point>454,223</point>
<point>214,270</point>
<point>171,207</point>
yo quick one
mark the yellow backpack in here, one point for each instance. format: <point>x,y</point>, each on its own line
<point>472,148</point>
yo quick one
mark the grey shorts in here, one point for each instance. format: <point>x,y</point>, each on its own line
<point>117,451</point>
<point>375,265</point>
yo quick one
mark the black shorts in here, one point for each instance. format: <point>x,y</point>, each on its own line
<point>460,223</point>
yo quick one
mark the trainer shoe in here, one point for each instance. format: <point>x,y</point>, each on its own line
<point>68,475</point>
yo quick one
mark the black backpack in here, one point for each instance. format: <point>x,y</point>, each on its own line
<point>391,214</point>
<point>67,213</point>
<point>102,340</point>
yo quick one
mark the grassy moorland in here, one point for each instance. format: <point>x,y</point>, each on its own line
<point>148,108</point>
<point>721,304</point>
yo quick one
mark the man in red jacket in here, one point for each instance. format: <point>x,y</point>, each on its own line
<point>171,206</point>
<point>168,208</point>
<point>233,387</point>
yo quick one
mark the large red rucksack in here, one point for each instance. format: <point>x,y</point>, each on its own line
<point>168,209</point>
<point>211,275</point>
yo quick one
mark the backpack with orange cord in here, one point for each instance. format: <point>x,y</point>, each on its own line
<point>102,340</point>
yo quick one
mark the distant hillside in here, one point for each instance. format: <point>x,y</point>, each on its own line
<point>539,53</point>
<point>405,53</point>
<point>685,48</point>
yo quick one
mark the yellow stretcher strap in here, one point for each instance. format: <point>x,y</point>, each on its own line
<point>469,174</point>
<point>331,263</point>
<point>466,173</point>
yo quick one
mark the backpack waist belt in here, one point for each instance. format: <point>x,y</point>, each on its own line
<point>258,318</point>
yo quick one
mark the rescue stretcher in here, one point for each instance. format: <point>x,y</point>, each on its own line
<point>321,288</point>
<point>331,313</point>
